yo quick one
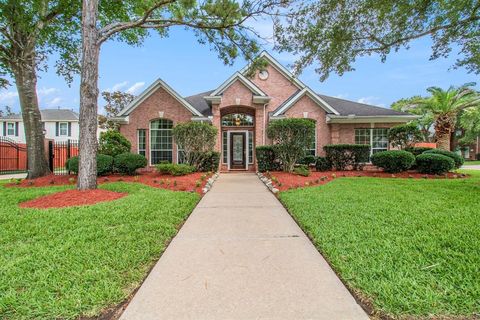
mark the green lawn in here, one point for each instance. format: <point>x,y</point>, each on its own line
<point>470,163</point>
<point>63,263</point>
<point>412,247</point>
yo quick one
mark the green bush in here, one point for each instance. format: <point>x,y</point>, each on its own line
<point>404,135</point>
<point>128,163</point>
<point>113,143</point>
<point>290,137</point>
<point>209,161</point>
<point>301,170</point>
<point>343,156</point>
<point>434,163</point>
<point>322,164</point>
<point>175,169</point>
<point>266,160</point>
<point>457,158</point>
<point>196,139</point>
<point>393,161</point>
<point>307,160</point>
<point>104,164</point>
<point>417,150</point>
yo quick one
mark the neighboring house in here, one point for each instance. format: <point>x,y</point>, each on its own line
<point>241,109</point>
<point>59,125</point>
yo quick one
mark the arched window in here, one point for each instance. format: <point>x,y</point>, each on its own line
<point>237,120</point>
<point>161,141</point>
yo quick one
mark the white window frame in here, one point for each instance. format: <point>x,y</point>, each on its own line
<point>60,129</point>
<point>8,129</point>
<point>145,142</point>
<point>315,146</point>
<point>370,130</point>
<point>151,136</point>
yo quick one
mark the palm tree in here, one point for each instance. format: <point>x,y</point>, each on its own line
<point>445,106</point>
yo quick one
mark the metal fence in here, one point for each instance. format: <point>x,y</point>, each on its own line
<point>58,154</point>
<point>13,156</point>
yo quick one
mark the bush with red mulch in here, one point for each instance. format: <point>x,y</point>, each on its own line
<point>284,180</point>
<point>192,182</point>
<point>72,198</point>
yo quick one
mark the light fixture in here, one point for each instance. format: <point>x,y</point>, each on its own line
<point>237,121</point>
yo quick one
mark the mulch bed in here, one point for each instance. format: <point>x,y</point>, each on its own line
<point>192,182</point>
<point>72,198</point>
<point>284,180</point>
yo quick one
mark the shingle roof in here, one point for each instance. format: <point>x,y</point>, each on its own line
<point>200,104</point>
<point>347,107</point>
<point>49,115</point>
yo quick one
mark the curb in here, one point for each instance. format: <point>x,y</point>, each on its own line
<point>268,183</point>
<point>210,182</point>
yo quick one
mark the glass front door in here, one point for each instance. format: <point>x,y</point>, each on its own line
<point>237,150</point>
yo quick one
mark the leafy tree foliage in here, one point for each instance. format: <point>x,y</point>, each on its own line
<point>195,139</point>
<point>335,33</point>
<point>290,136</point>
<point>424,123</point>
<point>113,143</point>
<point>404,135</point>
<point>470,123</point>
<point>116,101</point>
<point>6,111</point>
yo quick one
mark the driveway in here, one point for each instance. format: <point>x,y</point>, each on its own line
<point>241,256</point>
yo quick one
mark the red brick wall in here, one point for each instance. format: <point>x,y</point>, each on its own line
<point>345,132</point>
<point>147,111</point>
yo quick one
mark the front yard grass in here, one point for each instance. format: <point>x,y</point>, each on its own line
<point>472,162</point>
<point>71,262</point>
<point>411,247</point>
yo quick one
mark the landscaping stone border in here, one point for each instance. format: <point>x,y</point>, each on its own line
<point>210,182</point>
<point>268,183</point>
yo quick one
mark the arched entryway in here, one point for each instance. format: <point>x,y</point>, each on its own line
<point>238,136</point>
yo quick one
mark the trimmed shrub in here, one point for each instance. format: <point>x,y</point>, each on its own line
<point>434,163</point>
<point>175,169</point>
<point>104,164</point>
<point>113,143</point>
<point>457,158</point>
<point>128,163</point>
<point>417,150</point>
<point>404,135</point>
<point>343,156</point>
<point>209,161</point>
<point>195,139</point>
<point>393,161</point>
<point>307,160</point>
<point>322,164</point>
<point>266,160</point>
<point>301,170</point>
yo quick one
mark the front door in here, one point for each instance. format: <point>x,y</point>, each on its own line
<point>237,150</point>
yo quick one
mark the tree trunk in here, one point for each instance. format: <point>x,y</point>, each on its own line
<point>444,126</point>
<point>87,173</point>
<point>26,82</point>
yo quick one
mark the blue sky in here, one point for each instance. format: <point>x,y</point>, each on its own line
<point>192,68</point>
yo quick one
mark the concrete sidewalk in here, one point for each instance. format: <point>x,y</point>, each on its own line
<point>241,256</point>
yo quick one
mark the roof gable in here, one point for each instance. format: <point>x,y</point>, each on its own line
<point>297,96</point>
<point>237,76</point>
<point>159,83</point>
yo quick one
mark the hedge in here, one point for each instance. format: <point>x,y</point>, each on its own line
<point>434,163</point>
<point>417,150</point>
<point>104,164</point>
<point>457,158</point>
<point>322,164</point>
<point>128,163</point>
<point>266,160</point>
<point>307,160</point>
<point>393,161</point>
<point>209,161</point>
<point>175,169</point>
<point>343,156</point>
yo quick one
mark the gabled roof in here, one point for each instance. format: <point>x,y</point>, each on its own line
<point>48,115</point>
<point>240,77</point>
<point>200,104</point>
<point>287,104</point>
<point>159,83</point>
<point>348,108</point>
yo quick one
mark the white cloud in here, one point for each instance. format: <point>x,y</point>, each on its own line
<point>135,88</point>
<point>47,91</point>
<point>8,97</point>
<point>118,86</point>
<point>342,96</point>
<point>371,100</point>
<point>55,102</point>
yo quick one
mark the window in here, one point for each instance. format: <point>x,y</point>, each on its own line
<point>376,138</point>
<point>312,149</point>
<point>63,129</point>
<point>142,141</point>
<point>225,146</point>
<point>250,147</point>
<point>10,128</point>
<point>161,141</point>
<point>237,120</point>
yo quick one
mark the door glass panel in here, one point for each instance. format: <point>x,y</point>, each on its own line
<point>237,148</point>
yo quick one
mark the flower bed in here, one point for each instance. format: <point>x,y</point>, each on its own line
<point>72,198</point>
<point>194,182</point>
<point>284,180</point>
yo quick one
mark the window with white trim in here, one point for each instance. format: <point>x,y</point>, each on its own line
<point>312,149</point>
<point>376,138</point>
<point>10,128</point>
<point>63,128</point>
<point>161,141</point>
<point>142,142</point>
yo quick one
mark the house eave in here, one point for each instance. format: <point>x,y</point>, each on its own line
<point>209,119</point>
<point>213,99</point>
<point>120,120</point>
<point>370,119</point>
<point>261,99</point>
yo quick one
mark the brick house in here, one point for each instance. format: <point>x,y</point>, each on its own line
<point>241,108</point>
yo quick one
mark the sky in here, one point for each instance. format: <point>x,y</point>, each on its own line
<point>190,68</point>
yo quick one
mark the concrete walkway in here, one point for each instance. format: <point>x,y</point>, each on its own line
<point>471,167</point>
<point>241,256</point>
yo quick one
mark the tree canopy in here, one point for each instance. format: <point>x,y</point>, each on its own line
<point>335,33</point>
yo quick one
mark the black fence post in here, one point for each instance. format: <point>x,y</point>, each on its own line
<point>50,155</point>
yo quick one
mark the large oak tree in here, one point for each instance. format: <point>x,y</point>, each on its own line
<point>220,23</point>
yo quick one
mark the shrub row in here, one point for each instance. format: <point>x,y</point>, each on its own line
<point>393,161</point>
<point>125,163</point>
<point>175,169</point>
<point>343,156</point>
